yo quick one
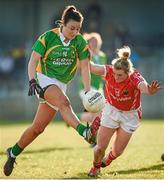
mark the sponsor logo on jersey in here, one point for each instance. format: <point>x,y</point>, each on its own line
<point>120,99</point>
<point>63,61</point>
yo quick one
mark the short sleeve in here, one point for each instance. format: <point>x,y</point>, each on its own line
<point>82,48</point>
<point>41,44</point>
<point>137,78</point>
<point>108,71</point>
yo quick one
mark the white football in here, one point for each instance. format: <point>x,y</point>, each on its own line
<point>93,101</point>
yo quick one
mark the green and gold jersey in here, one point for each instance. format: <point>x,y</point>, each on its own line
<point>96,80</point>
<point>59,61</point>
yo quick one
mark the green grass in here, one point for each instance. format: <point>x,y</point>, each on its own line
<point>61,153</point>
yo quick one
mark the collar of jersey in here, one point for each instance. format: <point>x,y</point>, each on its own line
<point>62,38</point>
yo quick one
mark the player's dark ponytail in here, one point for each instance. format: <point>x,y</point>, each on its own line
<point>71,13</point>
<point>70,9</point>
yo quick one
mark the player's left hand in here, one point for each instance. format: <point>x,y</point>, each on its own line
<point>34,88</point>
<point>154,87</point>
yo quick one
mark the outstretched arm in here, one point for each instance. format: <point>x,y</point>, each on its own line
<point>97,69</point>
<point>149,89</point>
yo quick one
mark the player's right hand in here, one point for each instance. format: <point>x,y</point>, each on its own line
<point>34,88</point>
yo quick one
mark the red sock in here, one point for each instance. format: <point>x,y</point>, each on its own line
<point>110,158</point>
<point>97,165</point>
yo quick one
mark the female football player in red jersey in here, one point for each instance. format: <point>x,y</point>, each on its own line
<point>52,66</point>
<point>122,112</point>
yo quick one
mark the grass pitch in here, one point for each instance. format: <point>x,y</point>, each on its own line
<point>60,153</point>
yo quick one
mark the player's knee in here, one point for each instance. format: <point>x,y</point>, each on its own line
<point>100,149</point>
<point>65,103</point>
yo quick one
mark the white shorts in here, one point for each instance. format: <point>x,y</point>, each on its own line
<point>45,81</point>
<point>114,118</point>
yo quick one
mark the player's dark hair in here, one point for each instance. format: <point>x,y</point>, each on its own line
<point>71,13</point>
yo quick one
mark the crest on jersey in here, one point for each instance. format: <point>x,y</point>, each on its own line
<point>125,92</point>
<point>64,53</point>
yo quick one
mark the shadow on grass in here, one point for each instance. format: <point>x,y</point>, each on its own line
<point>83,176</point>
<point>79,176</point>
<point>123,172</point>
<point>46,150</point>
<point>131,171</point>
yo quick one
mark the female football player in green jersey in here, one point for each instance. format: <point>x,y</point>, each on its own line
<point>99,57</point>
<point>52,66</point>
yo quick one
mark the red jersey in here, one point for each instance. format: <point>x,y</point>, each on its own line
<point>124,96</point>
